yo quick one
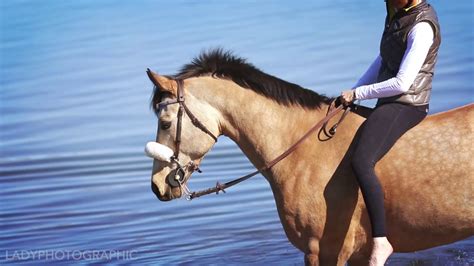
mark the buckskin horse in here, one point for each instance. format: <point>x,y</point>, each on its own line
<point>427,176</point>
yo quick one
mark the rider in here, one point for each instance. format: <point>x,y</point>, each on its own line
<point>401,79</point>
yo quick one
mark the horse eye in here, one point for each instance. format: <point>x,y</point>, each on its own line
<point>165,125</point>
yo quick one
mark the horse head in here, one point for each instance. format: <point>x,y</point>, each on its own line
<point>187,130</point>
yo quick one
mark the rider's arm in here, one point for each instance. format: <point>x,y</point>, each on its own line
<point>419,41</point>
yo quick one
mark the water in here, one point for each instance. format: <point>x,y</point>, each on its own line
<point>75,117</point>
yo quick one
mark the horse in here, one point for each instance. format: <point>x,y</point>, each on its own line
<point>427,176</point>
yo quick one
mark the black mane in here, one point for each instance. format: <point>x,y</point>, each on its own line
<point>224,64</point>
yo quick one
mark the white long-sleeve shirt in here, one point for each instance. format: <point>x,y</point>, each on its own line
<point>419,40</point>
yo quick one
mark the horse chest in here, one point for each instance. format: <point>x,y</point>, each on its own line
<point>301,221</point>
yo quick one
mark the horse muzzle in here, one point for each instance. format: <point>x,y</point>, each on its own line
<point>163,153</point>
<point>180,173</point>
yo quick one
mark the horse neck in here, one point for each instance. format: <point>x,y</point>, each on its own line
<point>260,126</point>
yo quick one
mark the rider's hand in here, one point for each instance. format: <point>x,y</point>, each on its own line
<point>347,97</point>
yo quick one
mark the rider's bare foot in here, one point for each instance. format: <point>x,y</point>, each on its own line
<point>380,251</point>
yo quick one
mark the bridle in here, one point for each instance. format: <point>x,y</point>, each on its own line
<point>176,178</point>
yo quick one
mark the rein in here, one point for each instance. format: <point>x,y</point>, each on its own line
<point>332,111</point>
<point>176,176</point>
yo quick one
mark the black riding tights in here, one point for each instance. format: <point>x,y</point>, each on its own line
<point>385,125</point>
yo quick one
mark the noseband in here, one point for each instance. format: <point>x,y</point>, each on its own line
<point>176,178</point>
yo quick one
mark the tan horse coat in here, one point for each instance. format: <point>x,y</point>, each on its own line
<point>427,176</point>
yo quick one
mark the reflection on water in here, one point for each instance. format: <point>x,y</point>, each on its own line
<point>74,119</point>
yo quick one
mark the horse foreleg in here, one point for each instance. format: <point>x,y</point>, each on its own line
<point>311,259</point>
<point>359,259</point>
<point>358,262</point>
<point>316,260</point>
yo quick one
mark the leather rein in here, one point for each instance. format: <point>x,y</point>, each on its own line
<point>176,176</point>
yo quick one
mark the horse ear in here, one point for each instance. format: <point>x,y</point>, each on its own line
<point>163,83</point>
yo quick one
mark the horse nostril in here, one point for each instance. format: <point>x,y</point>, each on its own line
<point>155,190</point>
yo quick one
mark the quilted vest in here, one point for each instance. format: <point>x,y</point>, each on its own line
<point>394,44</point>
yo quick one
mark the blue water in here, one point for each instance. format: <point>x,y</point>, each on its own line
<point>74,119</point>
